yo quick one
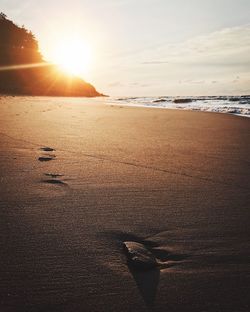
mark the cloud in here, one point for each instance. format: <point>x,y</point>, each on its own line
<point>115,84</point>
<point>227,47</point>
<point>214,63</point>
<point>154,62</point>
<point>190,81</point>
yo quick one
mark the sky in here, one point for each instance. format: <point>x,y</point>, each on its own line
<point>149,47</point>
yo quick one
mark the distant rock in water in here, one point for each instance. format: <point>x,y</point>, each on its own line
<point>23,70</point>
<point>234,99</point>
<point>179,101</point>
<point>139,256</point>
<point>160,100</point>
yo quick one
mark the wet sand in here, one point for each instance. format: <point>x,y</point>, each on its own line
<point>78,178</point>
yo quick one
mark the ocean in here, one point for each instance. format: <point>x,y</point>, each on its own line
<point>238,105</point>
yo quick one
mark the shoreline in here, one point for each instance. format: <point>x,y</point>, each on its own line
<point>108,101</point>
<point>180,109</point>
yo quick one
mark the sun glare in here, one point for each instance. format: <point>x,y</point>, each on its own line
<point>73,56</point>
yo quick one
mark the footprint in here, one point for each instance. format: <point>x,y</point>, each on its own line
<point>47,149</point>
<point>143,257</point>
<point>54,181</point>
<point>145,254</point>
<point>46,158</point>
<point>53,175</point>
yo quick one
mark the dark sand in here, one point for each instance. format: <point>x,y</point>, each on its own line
<point>176,180</point>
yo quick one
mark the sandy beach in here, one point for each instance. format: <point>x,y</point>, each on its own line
<point>78,178</point>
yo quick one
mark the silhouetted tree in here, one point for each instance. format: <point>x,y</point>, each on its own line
<point>17,44</point>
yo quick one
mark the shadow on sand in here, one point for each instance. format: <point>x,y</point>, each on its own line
<point>147,283</point>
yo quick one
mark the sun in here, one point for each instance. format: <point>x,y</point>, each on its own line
<point>73,56</point>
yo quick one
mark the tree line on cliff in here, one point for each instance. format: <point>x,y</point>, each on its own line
<point>17,44</point>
